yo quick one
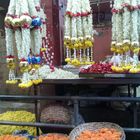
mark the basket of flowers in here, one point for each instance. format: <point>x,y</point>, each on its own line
<point>97,131</point>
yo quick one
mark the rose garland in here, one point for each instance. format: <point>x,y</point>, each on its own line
<point>10,42</point>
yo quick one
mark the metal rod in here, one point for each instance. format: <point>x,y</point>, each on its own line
<point>37,124</point>
<point>28,98</point>
<point>129,90</point>
<point>36,109</point>
<point>135,119</point>
<point>86,81</point>
<point>132,130</point>
<point>76,112</point>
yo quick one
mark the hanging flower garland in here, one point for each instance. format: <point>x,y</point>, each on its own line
<point>26,43</point>
<point>67,32</point>
<point>135,36</point>
<point>34,59</point>
<point>118,67</point>
<point>114,13</point>
<point>88,31</point>
<point>16,23</point>
<point>10,42</point>
<point>25,18</point>
<point>114,35</point>
<point>127,16</point>
<point>78,33</point>
<point>126,34</point>
<point>44,38</point>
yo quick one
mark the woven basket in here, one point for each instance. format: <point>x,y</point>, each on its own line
<point>55,114</point>
<point>94,126</point>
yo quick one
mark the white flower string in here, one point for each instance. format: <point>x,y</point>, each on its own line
<point>18,35</point>
<point>10,42</point>
<point>135,33</point>
<point>114,34</point>
<point>78,33</point>
<point>126,16</point>
<point>34,58</point>
<point>24,16</point>
<point>26,43</point>
<point>126,33</point>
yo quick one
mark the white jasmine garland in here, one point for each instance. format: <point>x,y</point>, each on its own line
<point>85,27</point>
<point>18,35</point>
<point>74,19</point>
<point>79,25</point>
<point>84,18</point>
<point>32,10</point>
<point>67,31</point>
<point>8,31</point>
<point>126,23</point>
<point>114,35</point>
<point>26,40</point>
<point>43,26</point>
<point>26,43</point>
<point>69,5</point>
<point>87,6</point>
<point>119,23</point>
<point>36,32</point>
<point>9,41</point>
<point>74,29</point>
<point>38,41</point>
<point>134,31</point>
<point>90,25</point>
<point>79,22</point>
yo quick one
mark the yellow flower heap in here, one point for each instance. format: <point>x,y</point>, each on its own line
<point>125,35</point>
<point>17,116</point>
<point>78,36</point>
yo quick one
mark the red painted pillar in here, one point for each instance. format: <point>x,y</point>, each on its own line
<point>52,11</point>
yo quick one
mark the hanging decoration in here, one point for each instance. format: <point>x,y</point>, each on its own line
<point>78,34</point>
<point>25,27</point>
<point>10,42</point>
<point>26,43</point>
<point>125,36</point>
<point>34,58</point>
